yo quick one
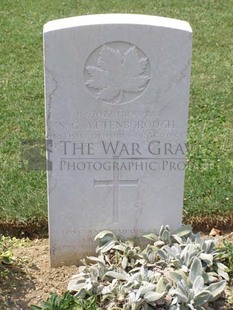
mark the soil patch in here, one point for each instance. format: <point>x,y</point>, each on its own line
<point>39,228</point>
<point>32,282</point>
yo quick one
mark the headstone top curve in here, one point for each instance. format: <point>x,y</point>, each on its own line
<point>129,19</point>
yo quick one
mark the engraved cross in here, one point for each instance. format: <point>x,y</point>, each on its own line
<point>115,184</point>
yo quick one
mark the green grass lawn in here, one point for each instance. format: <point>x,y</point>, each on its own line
<point>209,177</point>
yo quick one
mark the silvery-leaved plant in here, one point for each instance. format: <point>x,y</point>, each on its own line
<point>191,292</point>
<point>173,271</point>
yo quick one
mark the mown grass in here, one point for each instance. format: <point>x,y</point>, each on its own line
<point>209,177</point>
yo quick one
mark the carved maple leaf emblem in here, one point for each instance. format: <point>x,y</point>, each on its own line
<point>117,72</point>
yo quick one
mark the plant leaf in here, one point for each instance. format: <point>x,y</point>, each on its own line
<point>105,233</point>
<point>151,236</point>
<point>175,276</point>
<point>183,230</point>
<point>181,296</point>
<point>198,284</point>
<point>202,298</point>
<point>117,275</point>
<point>161,285</point>
<point>207,258</point>
<point>216,289</point>
<point>96,259</point>
<point>153,296</point>
<point>107,246</point>
<point>147,288</point>
<point>166,236</point>
<point>195,269</point>
<point>124,262</point>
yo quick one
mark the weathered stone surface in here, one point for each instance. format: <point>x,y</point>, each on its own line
<point>117,92</point>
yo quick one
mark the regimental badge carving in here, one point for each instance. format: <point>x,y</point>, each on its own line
<point>117,73</point>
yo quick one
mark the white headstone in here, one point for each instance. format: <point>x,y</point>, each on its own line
<point>117,92</point>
